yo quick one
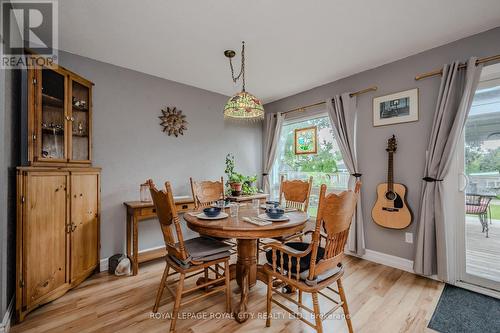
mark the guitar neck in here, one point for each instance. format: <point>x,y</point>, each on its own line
<point>390,172</point>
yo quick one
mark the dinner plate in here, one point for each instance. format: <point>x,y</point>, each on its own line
<point>267,218</point>
<point>222,215</point>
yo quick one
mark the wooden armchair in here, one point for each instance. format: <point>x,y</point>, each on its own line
<point>206,193</point>
<point>313,267</point>
<point>194,256</point>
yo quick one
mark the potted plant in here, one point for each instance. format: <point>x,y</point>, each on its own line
<point>249,187</point>
<point>236,183</point>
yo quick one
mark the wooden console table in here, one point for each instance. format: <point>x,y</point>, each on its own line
<point>139,211</point>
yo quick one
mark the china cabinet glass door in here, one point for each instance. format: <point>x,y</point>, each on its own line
<point>80,122</point>
<point>52,116</point>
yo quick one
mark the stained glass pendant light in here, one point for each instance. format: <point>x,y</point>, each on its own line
<point>243,105</point>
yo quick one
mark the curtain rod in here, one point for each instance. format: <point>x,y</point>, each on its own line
<point>356,93</point>
<point>461,66</point>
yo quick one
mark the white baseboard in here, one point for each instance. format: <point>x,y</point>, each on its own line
<point>104,262</point>
<point>387,260</point>
<point>5,324</point>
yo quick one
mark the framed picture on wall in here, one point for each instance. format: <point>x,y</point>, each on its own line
<point>306,140</point>
<point>401,107</point>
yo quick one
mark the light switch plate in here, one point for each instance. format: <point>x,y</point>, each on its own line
<point>409,237</point>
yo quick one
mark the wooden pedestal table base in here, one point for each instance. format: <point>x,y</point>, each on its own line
<point>246,271</point>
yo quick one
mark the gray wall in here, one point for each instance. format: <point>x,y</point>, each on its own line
<point>130,147</point>
<point>3,201</point>
<point>9,159</point>
<point>412,137</point>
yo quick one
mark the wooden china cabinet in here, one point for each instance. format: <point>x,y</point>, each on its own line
<point>58,200</point>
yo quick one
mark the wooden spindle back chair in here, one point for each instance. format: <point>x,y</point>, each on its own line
<point>295,193</point>
<point>335,213</point>
<point>206,193</point>
<point>180,255</point>
<point>168,217</point>
<point>315,266</point>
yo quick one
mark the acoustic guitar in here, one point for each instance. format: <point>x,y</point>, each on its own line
<point>391,209</point>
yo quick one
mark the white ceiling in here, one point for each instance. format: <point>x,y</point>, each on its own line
<point>292,45</point>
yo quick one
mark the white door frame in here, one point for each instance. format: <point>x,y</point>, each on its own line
<point>456,184</point>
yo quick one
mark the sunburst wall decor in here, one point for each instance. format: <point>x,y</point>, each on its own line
<point>173,121</point>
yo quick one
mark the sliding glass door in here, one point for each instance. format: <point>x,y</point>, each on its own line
<point>325,166</point>
<point>478,236</point>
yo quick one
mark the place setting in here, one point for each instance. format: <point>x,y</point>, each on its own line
<point>276,204</point>
<point>216,211</point>
<point>273,213</point>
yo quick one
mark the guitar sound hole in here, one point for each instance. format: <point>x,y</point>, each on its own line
<point>390,195</point>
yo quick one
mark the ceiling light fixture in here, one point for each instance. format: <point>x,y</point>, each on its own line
<point>243,105</point>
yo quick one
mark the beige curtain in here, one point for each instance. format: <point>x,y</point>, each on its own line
<point>454,100</point>
<point>343,113</point>
<point>272,131</point>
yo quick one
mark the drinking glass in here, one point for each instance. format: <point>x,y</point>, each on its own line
<point>221,204</point>
<point>145,194</point>
<point>255,203</point>
<point>233,208</point>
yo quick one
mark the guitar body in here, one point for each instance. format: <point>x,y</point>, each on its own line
<point>391,209</point>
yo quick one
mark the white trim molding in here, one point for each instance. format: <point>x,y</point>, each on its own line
<point>478,289</point>
<point>104,262</point>
<point>5,324</point>
<point>387,260</point>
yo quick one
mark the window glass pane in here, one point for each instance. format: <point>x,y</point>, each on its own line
<point>326,167</point>
<point>482,167</point>
<point>52,115</point>
<point>80,113</point>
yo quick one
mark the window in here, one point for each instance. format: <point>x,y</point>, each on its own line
<point>326,167</point>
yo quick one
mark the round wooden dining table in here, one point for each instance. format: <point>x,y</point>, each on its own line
<point>246,271</point>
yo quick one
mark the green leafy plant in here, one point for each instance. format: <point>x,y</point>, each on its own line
<point>234,179</point>
<point>229,165</point>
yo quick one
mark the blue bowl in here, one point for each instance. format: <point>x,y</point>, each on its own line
<point>274,203</point>
<point>275,213</point>
<point>212,211</point>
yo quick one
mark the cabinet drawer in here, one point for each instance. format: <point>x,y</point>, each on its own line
<point>149,211</point>
<point>181,207</point>
<point>184,207</point>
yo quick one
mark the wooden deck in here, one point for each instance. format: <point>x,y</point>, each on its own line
<point>482,254</point>
<point>380,298</point>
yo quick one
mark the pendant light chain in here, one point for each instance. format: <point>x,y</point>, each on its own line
<point>242,70</point>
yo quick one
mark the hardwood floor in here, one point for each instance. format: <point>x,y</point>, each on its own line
<point>380,298</point>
